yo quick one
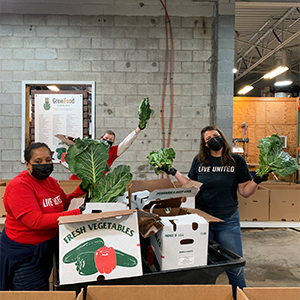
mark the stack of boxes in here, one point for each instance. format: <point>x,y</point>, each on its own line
<point>273,201</point>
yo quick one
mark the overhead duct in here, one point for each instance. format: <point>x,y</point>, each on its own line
<point>283,58</point>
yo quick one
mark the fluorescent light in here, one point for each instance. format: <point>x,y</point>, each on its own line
<point>245,90</point>
<point>283,83</point>
<point>275,72</point>
<point>284,79</point>
<point>53,88</point>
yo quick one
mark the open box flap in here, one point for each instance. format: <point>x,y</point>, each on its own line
<point>192,183</point>
<point>149,185</point>
<point>94,216</point>
<point>67,139</point>
<point>163,203</point>
<point>206,216</point>
<point>173,193</point>
<point>149,223</point>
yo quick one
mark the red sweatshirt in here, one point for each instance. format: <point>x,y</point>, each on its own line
<point>33,207</point>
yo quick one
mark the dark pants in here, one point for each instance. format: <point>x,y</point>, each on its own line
<point>28,276</point>
<point>228,234</point>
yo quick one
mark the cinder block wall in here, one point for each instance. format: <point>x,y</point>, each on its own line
<point>125,56</point>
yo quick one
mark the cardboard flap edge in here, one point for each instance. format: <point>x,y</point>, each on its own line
<point>94,216</point>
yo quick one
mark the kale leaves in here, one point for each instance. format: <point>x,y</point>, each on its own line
<point>273,158</point>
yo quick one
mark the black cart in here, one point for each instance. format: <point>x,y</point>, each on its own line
<point>219,260</point>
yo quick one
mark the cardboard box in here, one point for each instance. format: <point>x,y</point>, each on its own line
<point>186,201</point>
<point>36,295</point>
<point>284,202</point>
<point>256,207</point>
<point>93,207</point>
<point>182,242</point>
<point>3,184</point>
<point>160,188</point>
<point>187,229</point>
<point>272,293</point>
<point>86,240</point>
<point>166,292</point>
<point>69,186</point>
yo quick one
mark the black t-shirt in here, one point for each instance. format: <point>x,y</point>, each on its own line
<point>218,194</point>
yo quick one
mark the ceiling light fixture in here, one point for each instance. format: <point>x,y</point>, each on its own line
<point>281,64</point>
<point>245,90</point>
<point>234,70</point>
<point>53,88</point>
<point>279,70</point>
<point>283,83</point>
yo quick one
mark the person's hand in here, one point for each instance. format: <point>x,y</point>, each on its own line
<point>259,180</point>
<point>85,190</point>
<point>82,208</point>
<point>165,169</point>
<point>142,128</point>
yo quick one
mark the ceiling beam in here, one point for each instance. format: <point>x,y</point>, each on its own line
<point>266,33</point>
<point>268,55</point>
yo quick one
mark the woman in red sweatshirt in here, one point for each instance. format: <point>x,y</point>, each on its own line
<point>33,201</point>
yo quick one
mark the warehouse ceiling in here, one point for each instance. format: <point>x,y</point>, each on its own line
<point>261,30</point>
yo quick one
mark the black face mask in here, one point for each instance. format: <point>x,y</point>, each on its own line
<point>42,171</point>
<point>215,143</point>
<point>110,143</point>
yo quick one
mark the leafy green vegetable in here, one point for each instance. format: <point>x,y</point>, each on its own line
<point>88,160</point>
<point>273,158</point>
<point>144,112</point>
<point>163,157</point>
<point>118,178</point>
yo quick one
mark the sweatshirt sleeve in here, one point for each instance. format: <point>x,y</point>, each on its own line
<point>77,192</point>
<point>36,220</point>
<point>126,143</point>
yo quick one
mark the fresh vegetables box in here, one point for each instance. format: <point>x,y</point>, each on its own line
<point>99,246</point>
<point>174,292</point>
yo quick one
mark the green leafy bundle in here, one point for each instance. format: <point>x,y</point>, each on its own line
<point>103,191</point>
<point>88,160</point>
<point>144,112</point>
<point>162,158</point>
<point>273,158</point>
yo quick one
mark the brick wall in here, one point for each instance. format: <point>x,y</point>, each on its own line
<point>125,56</point>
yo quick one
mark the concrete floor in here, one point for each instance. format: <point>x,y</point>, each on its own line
<point>272,258</point>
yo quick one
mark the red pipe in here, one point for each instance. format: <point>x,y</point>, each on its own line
<point>171,75</point>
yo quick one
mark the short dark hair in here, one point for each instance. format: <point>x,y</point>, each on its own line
<point>109,132</point>
<point>28,152</point>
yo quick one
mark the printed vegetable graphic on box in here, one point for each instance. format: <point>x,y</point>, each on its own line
<point>93,256</point>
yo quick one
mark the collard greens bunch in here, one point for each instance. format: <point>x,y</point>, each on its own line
<point>273,158</point>
<point>88,160</point>
<point>162,158</point>
<point>144,112</point>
